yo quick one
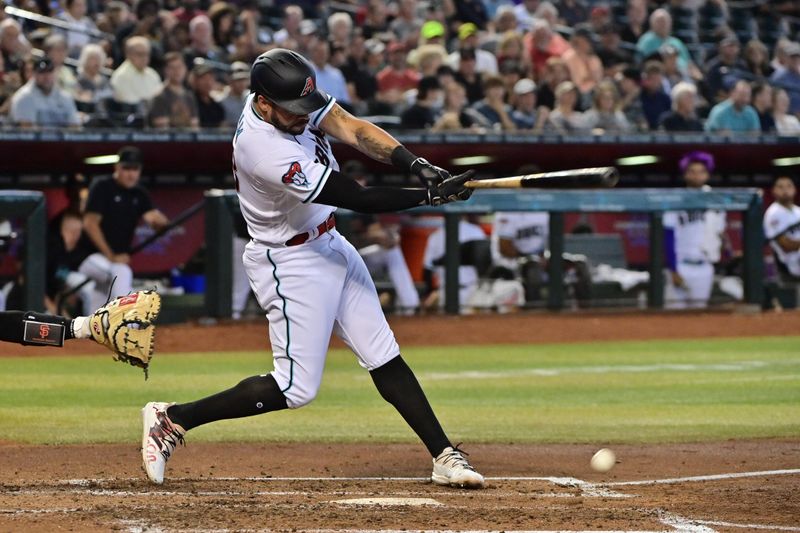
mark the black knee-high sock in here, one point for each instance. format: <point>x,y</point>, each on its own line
<point>398,386</point>
<point>252,396</point>
<point>12,324</point>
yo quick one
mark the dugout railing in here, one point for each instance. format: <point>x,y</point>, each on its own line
<point>30,206</point>
<point>220,206</point>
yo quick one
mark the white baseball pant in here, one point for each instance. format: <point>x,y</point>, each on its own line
<point>100,269</point>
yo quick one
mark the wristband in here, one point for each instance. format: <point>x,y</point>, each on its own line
<point>401,157</point>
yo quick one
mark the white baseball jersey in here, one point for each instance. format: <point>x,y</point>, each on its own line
<point>278,175</point>
<point>528,231</point>
<point>312,289</point>
<point>692,233</point>
<point>777,220</point>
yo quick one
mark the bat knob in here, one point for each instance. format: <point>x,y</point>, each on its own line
<point>610,177</point>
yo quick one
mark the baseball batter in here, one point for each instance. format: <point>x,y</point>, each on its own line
<point>692,240</point>
<point>306,276</point>
<point>782,226</point>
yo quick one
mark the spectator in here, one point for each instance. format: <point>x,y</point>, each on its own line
<point>407,24</point>
<point>605,113</point>
<point>782,228</point>
<point>485,62</point>
<point>493,106</point>
<point>55,46</point>
<point>209,112</point>
<point>75,14</point>
<point>655,101</point>
<point>329,78</point>
<point>672,74</point>
<point>113,17</point>
<point>542,44</point>
<point>725,70</point>
<point>149,23</point>
<point>40,102</point>
<point>734,115</point>
<point>630,84</point>
<point>555,72</point>
<point>340,28</point>
<point>524,12</point>
<point>13,44</point>
<point>10,82</point>
<point>756,57</point>
<point>762,103</point>
<point>223,18</point>
<point>468,76</point>
<point>683,115</point>
<point>455,114</point>
<point>511,49</point>
<point>780,56</point>
<point>573,12</point>
<point>186,11</point>
<point>92,87</point>
<point>63,258</point>
<point>785,123</point>
<point>233,97</point>
<point>422,114</point>
<point>611,54</point>
<point>376,20</point>
<point>289,35</point>
<point>396,78</point>
<point>636,21</point>
<point>113,210</point>
<point>364,61</point>
<point>469,11</point>
<point>201,43</point>
<point>433,264</point>
<point>659,34</point>
<point>789,78</point>
<point>585,68</point>
<point>564,118</point>
<point>429,60</point>
<point>547,12</point>
<point>134,81</point>
<point>174,106</point>
<point>525,114</point>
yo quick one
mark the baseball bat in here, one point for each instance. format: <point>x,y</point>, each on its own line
<point>579,178</point>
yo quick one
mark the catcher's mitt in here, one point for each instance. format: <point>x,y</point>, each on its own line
<point>125,326</point>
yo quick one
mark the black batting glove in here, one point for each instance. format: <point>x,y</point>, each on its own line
<point>430,175</point>
<point>451,189</point>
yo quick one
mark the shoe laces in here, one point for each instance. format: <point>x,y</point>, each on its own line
<point>166,435</point>
<point>455,458</point>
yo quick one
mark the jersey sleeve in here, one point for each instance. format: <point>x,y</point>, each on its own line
<point>291,172</point>
<point>98,198</point>
<point>316,117</point>
<point>775,223</point>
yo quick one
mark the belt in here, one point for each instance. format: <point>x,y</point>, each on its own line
<point>324,227</point>
<point>695,262</point>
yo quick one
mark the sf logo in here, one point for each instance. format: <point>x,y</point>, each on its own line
<point>44,331</point>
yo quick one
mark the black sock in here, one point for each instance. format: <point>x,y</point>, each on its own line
<point>252,396</point>
<point>398,386</point>
<point>12,324</point>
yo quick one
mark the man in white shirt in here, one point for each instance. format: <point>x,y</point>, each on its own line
<point>134,82</point>
<point>782,227</point>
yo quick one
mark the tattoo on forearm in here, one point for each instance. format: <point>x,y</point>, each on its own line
<point>373,147</point>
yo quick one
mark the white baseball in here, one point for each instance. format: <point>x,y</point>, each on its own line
<point>603,461</point>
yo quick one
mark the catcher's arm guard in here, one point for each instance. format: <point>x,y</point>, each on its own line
<point>125,326</point>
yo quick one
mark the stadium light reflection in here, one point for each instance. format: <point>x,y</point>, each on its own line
<point>102,160</point>
<point>786,161</point>
<point>637,160</point>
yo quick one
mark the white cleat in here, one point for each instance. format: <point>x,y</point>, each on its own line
<point>452,468</point>
<point>159,439</point>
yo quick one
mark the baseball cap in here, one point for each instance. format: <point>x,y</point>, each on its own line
<point>130,156</point>
<point>374,46</point>
<point>467,29</point>
<point>43,64</point>
<point>524,86</point>
<point>200,67</point>
<point>240,70</point>
<point>432,29</point>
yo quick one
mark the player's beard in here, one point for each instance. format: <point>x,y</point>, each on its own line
<point>294,128</point>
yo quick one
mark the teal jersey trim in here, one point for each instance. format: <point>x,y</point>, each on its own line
<point>325,175</point>
<point>286,318</point>
<point>329,104</point>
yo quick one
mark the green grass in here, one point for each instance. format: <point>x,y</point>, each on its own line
<point>592,392</point>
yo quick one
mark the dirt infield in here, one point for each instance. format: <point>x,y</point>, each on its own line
<point>301,488</point>
<point>520,328</point>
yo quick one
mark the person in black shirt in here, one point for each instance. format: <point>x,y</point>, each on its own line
<point>683,116</point>
<point>113,210</point>
<point>468,76</point>
<point>422,114</point>
<point>210,112</point>
<point>63,258</point>
<point>762,102</point>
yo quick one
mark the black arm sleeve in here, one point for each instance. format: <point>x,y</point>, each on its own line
<point>339,191</point>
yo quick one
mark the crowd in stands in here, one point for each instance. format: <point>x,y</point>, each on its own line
<point>568,66</point>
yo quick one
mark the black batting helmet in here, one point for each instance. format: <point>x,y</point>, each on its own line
<point>287,79</point>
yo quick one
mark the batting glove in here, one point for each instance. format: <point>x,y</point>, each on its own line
<point>451,189</point>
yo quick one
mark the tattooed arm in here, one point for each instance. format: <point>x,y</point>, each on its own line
<point>379,145</point>
<point>360,134</point>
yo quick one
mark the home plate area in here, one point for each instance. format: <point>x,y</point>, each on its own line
<point>710,487</point>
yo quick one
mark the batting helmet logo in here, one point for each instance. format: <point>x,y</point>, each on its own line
<point>295,175</point>
<point>309,86</point>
